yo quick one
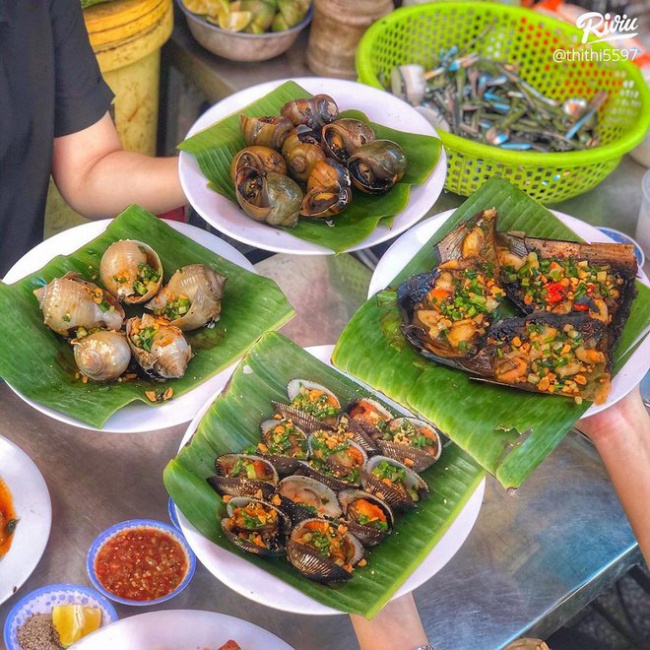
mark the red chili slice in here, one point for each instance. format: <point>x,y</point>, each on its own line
<point>555,292</point>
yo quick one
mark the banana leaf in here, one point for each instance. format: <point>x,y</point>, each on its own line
<point>40,364</point>
<point>509,432</point>
<point>232,423</point>
<point>215,147</point>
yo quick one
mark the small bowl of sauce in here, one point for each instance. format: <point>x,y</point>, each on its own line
<point>140,562</point>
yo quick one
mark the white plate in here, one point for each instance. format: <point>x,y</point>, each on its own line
<point>34,511</point>
<point>136,417</point>
<point>405,248</point>
<point>42,600</point>
<point>258,585</point>
<point>180,629</point>
<point>379,106</point>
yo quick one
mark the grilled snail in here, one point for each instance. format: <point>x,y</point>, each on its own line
<point>70,302</point>
<point>192,297</point>
<point>102,355</point>
<point>131,270</point>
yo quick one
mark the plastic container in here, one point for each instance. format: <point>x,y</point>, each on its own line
<point>528,39</point>
<point>127,36</point>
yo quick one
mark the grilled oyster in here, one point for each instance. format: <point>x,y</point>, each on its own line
<point>255,526</point>
<point>192,297</point>
<point>313,400</point>
<point>70,302</point>
<point>414,442</point>
<point>323,551</point>
<point>447,311</point>
<point>304,498</point>
<point>353,429</point>
<point>335,455</point>
<point>400,487</point>
<point>548,353</point>
<point>102,355</point>
<point>131,270</point>
<point>160,349</point>
<point>367,517</point>
<point>370,415</point>
<point>244,475</point>
<point>313,112</point>
<point>377,166</point>
<point>283,444</point>
<point>562,277</point>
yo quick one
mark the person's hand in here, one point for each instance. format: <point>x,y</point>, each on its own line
<point>621,434</point>
<point>396,627</point>
<point>626,418</point>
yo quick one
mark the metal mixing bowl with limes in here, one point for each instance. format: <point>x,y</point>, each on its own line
<point>240,45</point>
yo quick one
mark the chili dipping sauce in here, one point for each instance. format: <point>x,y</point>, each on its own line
<point>141,564</point>
<point>8,519</point>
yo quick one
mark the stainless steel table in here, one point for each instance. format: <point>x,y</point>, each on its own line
<point>534,558</point>
<point>532,561</point>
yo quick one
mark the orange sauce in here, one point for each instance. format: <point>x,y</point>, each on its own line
<point>7,513</point>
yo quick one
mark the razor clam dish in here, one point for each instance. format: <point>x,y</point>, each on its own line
<point>573,300</point>
<point>108,346</point>
<point>307,162</point>
<point>325,482</point>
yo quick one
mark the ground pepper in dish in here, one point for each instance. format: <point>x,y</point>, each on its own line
<point>38,633</point>
<point>141,564</point>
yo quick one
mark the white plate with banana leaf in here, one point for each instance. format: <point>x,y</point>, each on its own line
<point>379,106</point>
<point>136,417</point>
<point>405,247</point>
<point>253,582</point>
<point>33,508</point>
<point>181,629</point>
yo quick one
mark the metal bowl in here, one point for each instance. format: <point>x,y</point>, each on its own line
<point>238,46</point>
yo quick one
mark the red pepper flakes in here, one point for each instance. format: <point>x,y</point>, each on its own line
<point>141,564</point>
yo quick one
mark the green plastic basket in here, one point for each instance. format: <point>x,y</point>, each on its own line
<point>528,39</point>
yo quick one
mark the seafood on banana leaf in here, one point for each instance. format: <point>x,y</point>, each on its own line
<point>563,277</point>
<point>557,354</point>
<point>447,311</point>
<point>70,302</point>
<point>323,551</point>
<point>255,526</point>
<point>191,298</point>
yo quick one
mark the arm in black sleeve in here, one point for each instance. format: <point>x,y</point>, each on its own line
<point>82,96</point>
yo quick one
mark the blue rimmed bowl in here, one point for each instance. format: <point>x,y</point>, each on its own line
<point>115,530</point>
<point>42,600</point>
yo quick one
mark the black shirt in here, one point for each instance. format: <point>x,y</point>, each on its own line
<point>50,85</point>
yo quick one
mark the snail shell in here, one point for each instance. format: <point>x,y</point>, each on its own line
<point>199,284</point>
<point>261,158</point>
<point>265,131</point>
<point>131,270</point>
<point>70,302</point>
<point>165,353</point>
<point>102,355</point>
